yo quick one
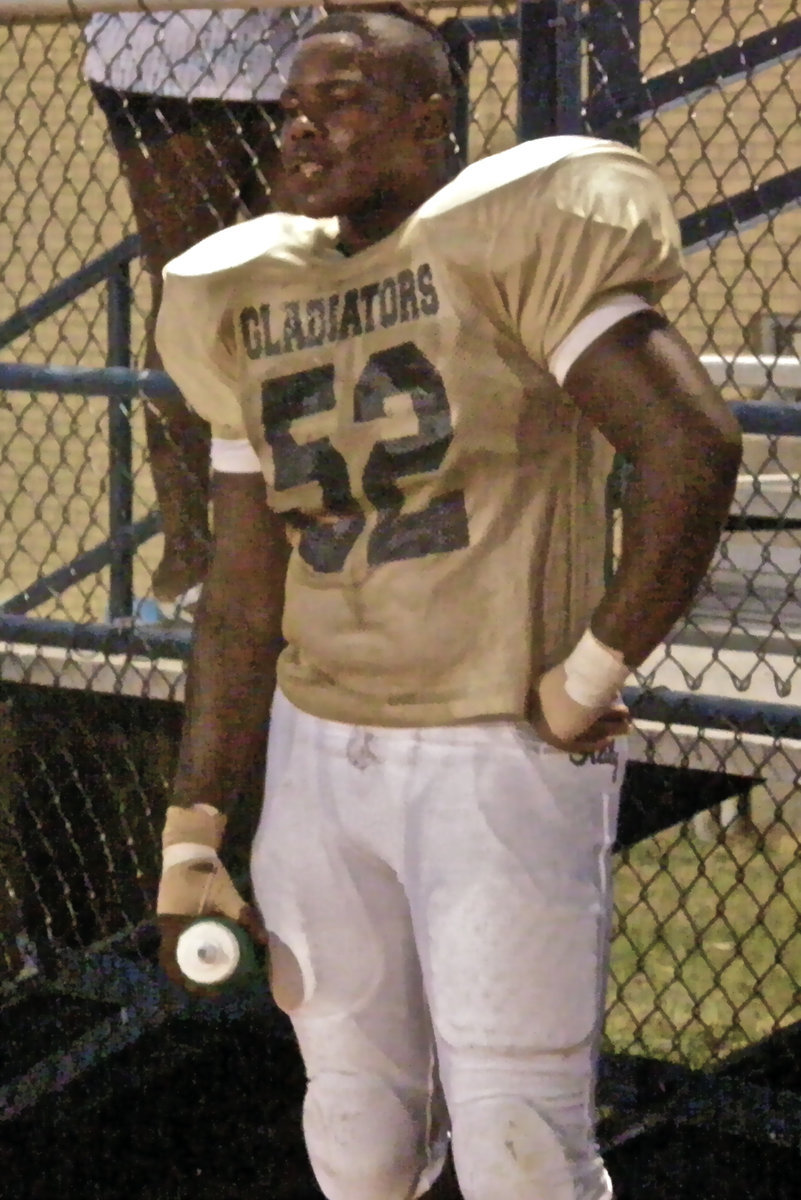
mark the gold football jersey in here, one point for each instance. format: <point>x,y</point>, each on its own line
<point>444,498</point>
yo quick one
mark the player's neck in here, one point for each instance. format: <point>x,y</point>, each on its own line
<point>363,228</point>
<point>358,231</point>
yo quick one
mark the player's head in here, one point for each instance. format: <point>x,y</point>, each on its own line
<point>368,113</point>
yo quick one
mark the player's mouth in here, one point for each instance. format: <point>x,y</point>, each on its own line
<point>310,181</point>
<point>310,170</point>
<point>307,170</point>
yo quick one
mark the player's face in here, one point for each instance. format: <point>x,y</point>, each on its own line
<point>348,139</point>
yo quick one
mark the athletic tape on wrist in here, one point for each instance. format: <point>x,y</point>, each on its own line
<point>594,673</point>
<point>183,852</point>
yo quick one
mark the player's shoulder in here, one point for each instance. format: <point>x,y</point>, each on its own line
<point>279,241</point>
<point>521,192</point>
<point>531,167</point>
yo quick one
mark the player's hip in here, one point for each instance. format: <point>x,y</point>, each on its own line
<point>475,843</point>
<point>499,732</point>
<point>378,784</point>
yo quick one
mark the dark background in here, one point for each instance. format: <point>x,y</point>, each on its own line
<point>204,1109</point>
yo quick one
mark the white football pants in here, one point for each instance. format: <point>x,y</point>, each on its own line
<point>446,893</point>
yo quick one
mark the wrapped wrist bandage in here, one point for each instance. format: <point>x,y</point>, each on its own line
<point>594,674</point>
<point>193,880</point>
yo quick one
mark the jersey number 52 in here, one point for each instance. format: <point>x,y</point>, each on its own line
<point>436,529</point>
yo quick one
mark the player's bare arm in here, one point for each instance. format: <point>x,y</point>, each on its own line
<point>236,644</point>
<point>231,684</point>
<point>643,388</point>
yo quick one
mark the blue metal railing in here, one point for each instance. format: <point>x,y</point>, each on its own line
<point>120,444</point>
<point>552,36</point>
<point>89,562</point>
<point>120,385</point>
<point>63,293</point>
<point>86,381</point>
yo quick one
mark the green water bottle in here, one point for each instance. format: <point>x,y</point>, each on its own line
<point>214,952</point>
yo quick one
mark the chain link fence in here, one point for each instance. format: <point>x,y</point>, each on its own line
<point>707,957</point>
<point>707,953</point>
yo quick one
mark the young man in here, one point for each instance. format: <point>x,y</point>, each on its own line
<point>421,382</point>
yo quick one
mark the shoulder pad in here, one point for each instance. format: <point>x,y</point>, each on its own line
<point>276,238</point>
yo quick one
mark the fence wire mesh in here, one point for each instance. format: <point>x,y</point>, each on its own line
<point>707,953</point>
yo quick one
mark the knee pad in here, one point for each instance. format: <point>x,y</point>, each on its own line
<point>503,1147</point>
<point>363,1140</point>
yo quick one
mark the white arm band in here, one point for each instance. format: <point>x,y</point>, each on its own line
<point>590,328</point>
<point>594,673</point>
<point>234,456</point>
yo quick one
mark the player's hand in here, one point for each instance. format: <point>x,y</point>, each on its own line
<point>564,723</point>
<point>195,883</point>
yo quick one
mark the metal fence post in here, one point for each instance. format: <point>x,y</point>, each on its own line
<point>549,40</point>
<point>120,478</point>
<point>460,40</point>
<point>613,63</point>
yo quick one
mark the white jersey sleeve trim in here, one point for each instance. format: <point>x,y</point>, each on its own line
<point>590,328</point>
<point>234,456</point>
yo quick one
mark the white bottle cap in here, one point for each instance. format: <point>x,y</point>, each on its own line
<point>208,952</point>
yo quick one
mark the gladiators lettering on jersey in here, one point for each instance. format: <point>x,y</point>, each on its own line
<point>295,325</point>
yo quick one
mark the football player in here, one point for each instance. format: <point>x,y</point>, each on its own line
<point>415,390</point>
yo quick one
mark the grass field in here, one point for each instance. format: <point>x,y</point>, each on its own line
<point>707,950</point>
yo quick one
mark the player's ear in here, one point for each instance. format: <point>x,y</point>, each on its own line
<point>434,119</point>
